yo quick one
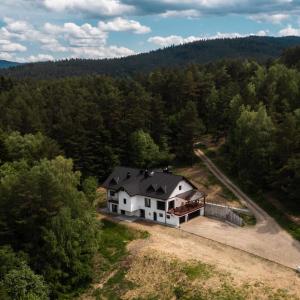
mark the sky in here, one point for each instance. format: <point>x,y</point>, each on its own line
<point>41,30</point>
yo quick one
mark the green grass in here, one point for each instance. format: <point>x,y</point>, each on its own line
<point>197,270</point>
<point>249,220</point>
<point>115,237</point>
<point>115,286</point>
<point>112,252</point>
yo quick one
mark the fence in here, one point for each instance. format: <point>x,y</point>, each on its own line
<point>223,212</point>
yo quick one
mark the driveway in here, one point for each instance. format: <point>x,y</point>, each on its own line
<point>261,240</point>
<point>266,238</point>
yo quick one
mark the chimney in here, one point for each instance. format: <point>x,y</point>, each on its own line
<point>146,174</point>
<point>128,175</point>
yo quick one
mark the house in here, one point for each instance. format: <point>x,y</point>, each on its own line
<point>156,195</point>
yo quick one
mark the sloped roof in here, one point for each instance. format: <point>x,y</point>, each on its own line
<point>158,185</point>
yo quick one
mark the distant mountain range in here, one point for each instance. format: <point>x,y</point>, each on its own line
<point>253,47</point>
<point>7,64</point>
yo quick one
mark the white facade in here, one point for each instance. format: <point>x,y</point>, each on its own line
<point>147,207</point>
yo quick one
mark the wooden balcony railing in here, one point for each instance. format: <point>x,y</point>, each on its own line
<point>186,208</point>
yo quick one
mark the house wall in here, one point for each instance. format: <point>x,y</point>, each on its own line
<point>134,204</point>
<point>115,197</point>
<point>185,186</point>
<point>173,220</point>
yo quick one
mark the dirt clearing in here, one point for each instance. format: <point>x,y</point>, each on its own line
<point>243,267</point>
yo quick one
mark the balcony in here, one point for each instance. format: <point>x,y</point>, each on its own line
<point>186,208</point>
<point>113,200</point>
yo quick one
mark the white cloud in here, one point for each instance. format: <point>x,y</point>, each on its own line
<point>94,7</point>
<point>120,24</point>
<point>289,30</point>
<point>187,13</point>
<point>171,40</point>
<point>84,35</point>
<point>6,56</point>
<point>84,41</point>
<point>35,58</point>
<point>177,39</point>
<point>12,47</point>
<point>100,52</point>
<point>269,18</point>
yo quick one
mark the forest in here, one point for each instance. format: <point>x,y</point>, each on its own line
<point>260,48</point>
<point>59,138</point>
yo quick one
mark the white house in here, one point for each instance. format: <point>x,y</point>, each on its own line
<point>156,195</point>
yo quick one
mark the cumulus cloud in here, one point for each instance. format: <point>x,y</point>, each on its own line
<point>187,13</point>
<point>101,52</point>
<point>75,35</point>
<point>177,39</point>
<point>93,7</point>
<point>120,24</point>
<point>166,8</point>
<point>84,41</point>
<point>289,31</point>
<point>6,56</point>
<point>275,18</point>
<point>35,58</point>
<point>171,40</point>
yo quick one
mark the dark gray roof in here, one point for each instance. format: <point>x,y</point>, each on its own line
<point>158,184</point>
<point>191,195</point>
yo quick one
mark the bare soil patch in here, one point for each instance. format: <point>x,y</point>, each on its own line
<point>243,267</point>
<point>201,177</point>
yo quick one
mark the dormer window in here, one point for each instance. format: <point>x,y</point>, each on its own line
<point>114,181</point>
<point>151,189</point>
<point>161,190</point>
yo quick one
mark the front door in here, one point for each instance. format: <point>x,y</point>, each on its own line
<point>155,216</point>
<point>142,213</point>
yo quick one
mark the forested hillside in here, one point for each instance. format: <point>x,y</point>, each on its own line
<point>7,64</point>
<point>152,119</point>
<point>253,47</point>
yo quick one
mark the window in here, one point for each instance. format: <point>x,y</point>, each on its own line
<point>180,188</point>
<point>168,216</point>
<point>112,193</point>
<point>171,204</point>
<point>147,202</point>
<point>161,205</point>
<point>124,200</point>
<point>161,215</point>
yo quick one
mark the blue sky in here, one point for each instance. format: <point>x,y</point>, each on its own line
<point>39,30</point>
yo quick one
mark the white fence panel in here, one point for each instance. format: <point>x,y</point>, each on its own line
<point>223,212</point>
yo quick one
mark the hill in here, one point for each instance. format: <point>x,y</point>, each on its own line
<point>7,64</point>
<point>253,47</point>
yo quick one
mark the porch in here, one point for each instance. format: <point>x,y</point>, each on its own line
<point>189,202</point>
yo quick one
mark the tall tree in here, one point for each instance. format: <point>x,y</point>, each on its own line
<point>251,145</point>
<point>188,129</point>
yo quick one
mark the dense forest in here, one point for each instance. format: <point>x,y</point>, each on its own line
<point>254,47</point>
<point>59,137</point>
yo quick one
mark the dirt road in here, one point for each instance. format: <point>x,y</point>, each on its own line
<point>266,238</point>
